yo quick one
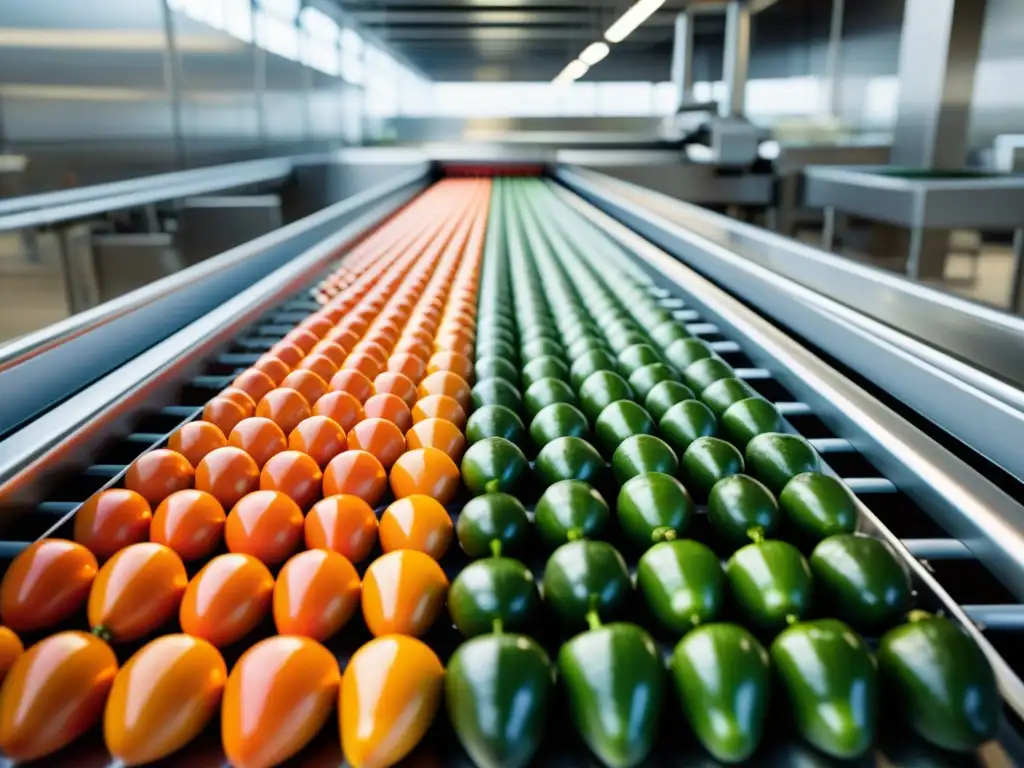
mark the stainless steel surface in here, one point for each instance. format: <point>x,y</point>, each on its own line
<point>46,366</point>
<point>833,60</point>
<point>737,58</point>
<point>945,487</point>
<point>213,224</point>
<point>682,58</point>
<point>1004,617</point>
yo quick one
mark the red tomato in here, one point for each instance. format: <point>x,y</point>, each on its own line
<point>10,650</point>
<point>315,595</point>
<point>333,352</point>
<point>227,474</point>
<point>46,584</point>
<point>390,407</point>
<point>275,368</point>
<point>355,383</point>
<point>389,383</point>
<point>302,338</point>
<point>260,437</point>
<point>321,365</point>
<point>341,407</point>
<point>284,406</point>
<point>189,522</point>
<point>379,437</point>
<point>227,599</point>
<point>319,437</point>
<point>157,474</point>
<point>358,473</point>
<point>344,524</point>
<point>111,520</point>
<point>288,353</point>
<point>307,383</point>
<point>196,439</point>
<point>255,382</point>
<point>295,474</point>
<point>224,413</point>
<point>266,525</point>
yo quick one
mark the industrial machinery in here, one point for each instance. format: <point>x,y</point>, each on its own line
<point>925,439</point>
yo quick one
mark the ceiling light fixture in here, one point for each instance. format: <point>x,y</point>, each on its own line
<point>631,19</point>
<point>593,53</point>
<point>573,71</point>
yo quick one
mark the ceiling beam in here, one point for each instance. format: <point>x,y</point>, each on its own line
<point>484,18</point>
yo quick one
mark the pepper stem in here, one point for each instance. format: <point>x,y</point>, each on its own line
<point>593,619</point>
<point>919,615</point>
<point>695,620</point>
<point>495,547</point>
<point>103,633</point>
<point>756,534</point>
<point>791,619</point>
<point>492,486</point>
<point>664,534</point>
<point>574,534</point>
<point>497,626</point>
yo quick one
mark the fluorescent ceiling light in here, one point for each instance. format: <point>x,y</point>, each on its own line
<point>632,19</point>
<point>593,53</point>
<point>574,70</point>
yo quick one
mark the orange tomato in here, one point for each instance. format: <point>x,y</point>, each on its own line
<point>389,383</point>
<point>317,324</point>
<point>53,694</point>
<point>446,383</point>
<point>363,362</point>
<point>227,599</point>
<point>344,338</point>
<point>358,473</point>
<point>333,352</point>
<point>426,471</point>
<point>111,520</point>
<point>10,650</point>
<point>227,474</point>
<point>303,338</point>
<point>266,525</point>
<point>451,361</point>
<point>241,397</point>
<point>274,367</point>
<point>415,348</point>
<point>284,406</point>
<point>307,383</point>
<point>437,433</point>
<point>315,594</point>
<point>416,522</point>
<point>46,584</point>
<point>189,522</point>
<point>224,413</point>
<point>320,437</point>
<point>255,382</point>
<point>341,407</point>
<point>163,698</point>
<point>260,437</point>
<point>344,524</point>
<point>294,474</point>
<point>277,698</point>
<point>321,366</point>
<point>157,474</point>
<point>439,407</point>
<point>380,437</point>
<point>403,592</point>
<point>287,353</point>
<point>196,439</point>
<point>352,381</point>
<point>136,592</point>
<point>390,694</point>
<point>390,407</point>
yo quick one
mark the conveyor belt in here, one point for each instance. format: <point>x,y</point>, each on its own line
<point>543,229</point>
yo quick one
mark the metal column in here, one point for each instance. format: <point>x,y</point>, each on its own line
<point>682,59</point>
<point>737,57</point>
<point>830,103</point>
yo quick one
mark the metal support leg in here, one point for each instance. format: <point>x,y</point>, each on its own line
<point>828,231</point>
<point>80,283</point>
<point>1017,276</point>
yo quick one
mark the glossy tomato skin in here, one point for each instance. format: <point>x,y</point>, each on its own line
<point>354,382</point>
<point>294,474</point>
<point>228,474</point>
<point>255,382</point>
<point>53,694</point>
<point>396,383</point>
<point>196,439</point>
<point>157,474</point>
<point>284,406</point>
<point>163,698</point>
<point>437,433</point>
<point>358,473</point>
<point>426,471</point>
<point>320,437</point>
<point>416,522</point>
<point>341,407</point>
<point>227,599</point>
<point>403,592</point>
<point>260,437</point>
<point>344,524</point>
<point>189,522</point>
<point>10,650</point>
<point>380,437</point>
<point>390,694</point>
<point>136,592</point>
<point>46,584</point>
<point>315,594</point>
<point>111,520</point>
<point>391,407</point>
<point>307,383</point>
<point>277,698</point>
<point>224,413</point>
<point>265,524</point>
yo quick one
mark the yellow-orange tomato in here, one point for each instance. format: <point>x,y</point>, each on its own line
<point>357,473</point>
<point>390,407</point>
<point>136,592</point>
<point>278,697</point>
<point>111,520</point>
<point>46,584</point>
<point>163,698</point>
<point>157,474</point>
<point>317,324</point>
<point>352,381</point>
<point>10,650</point>
<point>437,433</point>
<point>196,439</point>
<point>363,362</point>
<point>344,338</point>
<point>227,599</point>
<point>372,349</point>
<point>344,524</point>
<point>390,694</point>
<point>285,407</point>
<point>446,383</point>
<point>321,366</point>
<point>451,361</point>
<point>189,522</point>
<point>294,474</point>
<point>303,338</point>
<point>333,352</point>
<point>416,522</point>
<point>426,471</point>
<point>287,353</point>
<point>224,413</point>
<point>255,382</point>
<point>315,594</point>
<point>53,694</point>
<point>341,407</point>
<point>389,383</point>
<point>306,383</point>
<point>274,367</point>
<point>260,437</point>
<point>403,592</point>
<point>379,437</point>
<point>439,407</point>
<point>240,396</point>
<point>320,437</point>
<point>227,474</point>
<point>266,525</point>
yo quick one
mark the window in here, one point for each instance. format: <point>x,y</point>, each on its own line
<point>382,98</point>
<point>320,35</point>
<point>275,27</point>
<point>351,56</point>
<point>231,16</point>
<point>624,99</point>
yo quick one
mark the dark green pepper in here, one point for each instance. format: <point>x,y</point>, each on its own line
<point>685,422</point>
<point>831,683</point>
<point>643,380</point>
<point>571,510</point>
<point>944,684</point>
<point>491,595</point>
<point>706,372</point>
<point>770,582</point>
<point>558,420</point>
<point>569,458</point>
<point>496,691</point>
<point>860,579</point>
<point>640,454</point>
<point>492,464</point>
<point>637,356</point>
<point>707,461</point>
<point>584,576</point>
<point>494,421</point>
<point>738,505</point>
<point>683,353</point>
<point>546,392</point>
<point>620,420</point>
<point>667,332</point>
<point>600,390</point>
<point>615,683</point>
<point>496,391</point>
<point>497,347</point>
<point>722,676</point>
<point>721,394</point>
<point>547,367</point>
<point>744,420</point>
<point>653,507</point>
<point>542,345</point>
<point>664,395</point>
<point>682,583</point>
<point>588,362</point>
<point>492,518</point>
<point>775,458</point>
<point>819,505</point>
<point>496,368</point>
